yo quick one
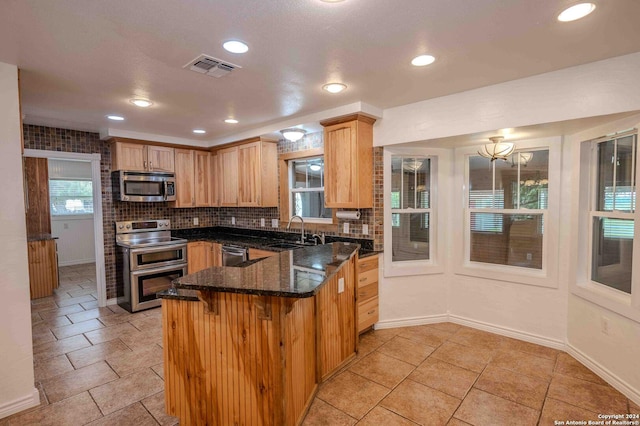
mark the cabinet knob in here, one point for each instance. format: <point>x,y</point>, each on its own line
<point>371,312</point>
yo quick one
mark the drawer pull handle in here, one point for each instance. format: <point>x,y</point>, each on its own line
<point>371,312</point>
<point>363,279</point>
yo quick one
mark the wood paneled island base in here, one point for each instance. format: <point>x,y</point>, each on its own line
<point>254,359</point>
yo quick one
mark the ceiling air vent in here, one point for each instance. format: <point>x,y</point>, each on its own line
<point>211,66</point>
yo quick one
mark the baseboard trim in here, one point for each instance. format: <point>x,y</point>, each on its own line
<point>20,404</point>
<point>509,332</point>
<point>112,301</point>
<point>609,377</point>
<point>408,322</point>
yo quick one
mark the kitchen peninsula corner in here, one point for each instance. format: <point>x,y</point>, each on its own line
<point>249,344</point>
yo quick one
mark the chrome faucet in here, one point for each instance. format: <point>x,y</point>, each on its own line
<point>301,226</point>
<point>317,237</point>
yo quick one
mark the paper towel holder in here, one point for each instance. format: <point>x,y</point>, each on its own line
<point>348,214</point>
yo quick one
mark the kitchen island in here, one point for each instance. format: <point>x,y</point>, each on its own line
<point>249,344</point>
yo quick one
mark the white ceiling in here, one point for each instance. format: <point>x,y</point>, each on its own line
<point>81,60</point>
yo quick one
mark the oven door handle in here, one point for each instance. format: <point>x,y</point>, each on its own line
<point>155,249</point>
<point>158,270</point>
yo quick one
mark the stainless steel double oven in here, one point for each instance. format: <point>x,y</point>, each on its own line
<point>148,259</point>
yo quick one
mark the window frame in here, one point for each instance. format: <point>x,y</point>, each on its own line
<point>583,286</point>
<point>71,215</point>
<point>439,158</point>
<point>291,190</point>
<point>548,275</point>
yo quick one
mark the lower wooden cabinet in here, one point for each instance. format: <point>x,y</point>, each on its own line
<point>367,281</point>
<point>202,255</point>
<point>43,268</point>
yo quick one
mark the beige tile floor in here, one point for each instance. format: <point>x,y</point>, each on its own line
<point>103,366</point>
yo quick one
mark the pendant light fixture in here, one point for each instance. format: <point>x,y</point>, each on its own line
<point>497,149</point>
<point>521,158</point>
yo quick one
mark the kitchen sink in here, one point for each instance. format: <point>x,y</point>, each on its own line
<point>285,245</point>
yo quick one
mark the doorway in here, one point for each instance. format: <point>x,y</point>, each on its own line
<point>87,166</point>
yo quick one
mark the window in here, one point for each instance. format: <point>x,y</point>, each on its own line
<point>306,188</point>
<point>70,197</point>
<point>506,209</point>
<point>410,208</point>
<point>612,212</point>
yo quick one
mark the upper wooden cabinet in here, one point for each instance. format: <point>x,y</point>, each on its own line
<point>348,162</point>
<point>193,178</point>
<point>140,157</point>
<point>248,175</point>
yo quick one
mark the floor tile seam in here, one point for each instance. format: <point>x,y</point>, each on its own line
<point>145,407</point>
<point>391,410</point>
<point>572,404</point>
<point>523,374</point>
<point>455,365</point>
<point>510,400</point>
<point>380,384</point>
<point>606,384</point>
<point>333,406</point>
<point>438,390</point>
<point>400,359</point>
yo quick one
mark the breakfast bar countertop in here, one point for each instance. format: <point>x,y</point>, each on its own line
<point>296,273</point>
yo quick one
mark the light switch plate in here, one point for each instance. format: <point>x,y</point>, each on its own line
<point>340,285</point>
<point>345,227</point>
<point>262,222</point>
<point>274,223</point>
<point>233,220</point>
<point>365,229</point>
<point>196,221</point>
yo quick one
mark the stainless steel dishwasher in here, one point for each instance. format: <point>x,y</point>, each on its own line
<point>233,255</point>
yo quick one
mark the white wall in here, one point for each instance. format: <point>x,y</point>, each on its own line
<point>75,239</point>
<point>17,390</point>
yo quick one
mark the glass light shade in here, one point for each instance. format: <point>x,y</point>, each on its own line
<point>497,149</point>
<point>521,158</point>
<point>293,135</point>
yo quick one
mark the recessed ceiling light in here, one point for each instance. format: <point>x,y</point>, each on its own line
<point>422,60</point>
<point>115,117</point>
<point>231,121</point>
<point>142,103</point>
<point>199,131</point>
<point>334,87</point>
<point>332,1</point>
<point>576,12</point>
<point>235,46</point>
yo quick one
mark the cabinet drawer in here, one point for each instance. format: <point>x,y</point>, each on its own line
<point>368,263</point>
<point>367,313</point>
<point>367,291</point>
<point>366,278</point>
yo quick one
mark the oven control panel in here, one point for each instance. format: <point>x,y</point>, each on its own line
<point>142,226</point>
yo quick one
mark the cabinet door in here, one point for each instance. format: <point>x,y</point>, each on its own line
<point>340,174</point>
<point>130,156</point>
<point>214,180</point>
<point>216,251</point>
<point>259,254</point>
<point>249,184</point>
<point>184,178</point>
<point>161,159</point>
<point>202,179</point>
<point>197,256</point>
<point>36,175</point>
<point>228,176</point>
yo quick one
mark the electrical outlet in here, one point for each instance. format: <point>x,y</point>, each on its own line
<point>365,229</point>
<point>340,285</point>
<point>274,223</point>
<point>233,220</point>
<point>65,226</point>
<point>262,222</point>
<point>345,227</point>
<point>529,256</point>
<point>196,221</point>
<point>604,325</point>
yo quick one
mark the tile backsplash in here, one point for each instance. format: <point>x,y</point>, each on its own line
<point>63,140</point>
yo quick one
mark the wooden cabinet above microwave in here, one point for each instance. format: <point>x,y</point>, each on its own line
<point>132,156</point>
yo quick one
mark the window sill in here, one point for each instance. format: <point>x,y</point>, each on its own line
<point>513,274</point>
<point>411,268</point>
<point>66,217</point>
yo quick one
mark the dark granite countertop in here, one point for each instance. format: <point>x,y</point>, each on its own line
<point>40,237</point>
<point>251,238</point>
<point>296,273</point>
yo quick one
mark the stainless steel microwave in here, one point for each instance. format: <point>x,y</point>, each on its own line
<point>144,186</point>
